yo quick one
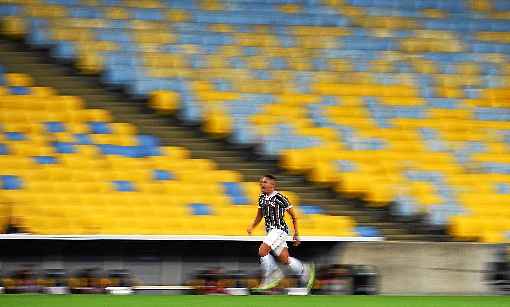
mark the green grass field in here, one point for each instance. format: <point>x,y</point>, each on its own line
<point>248,301</point>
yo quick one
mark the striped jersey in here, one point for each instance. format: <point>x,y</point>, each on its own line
<point>273,208</point>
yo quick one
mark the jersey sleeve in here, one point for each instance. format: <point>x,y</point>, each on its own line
<point>258,202</point>
<point>286,203</point>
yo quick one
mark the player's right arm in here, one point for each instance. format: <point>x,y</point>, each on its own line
<point>255,222</point>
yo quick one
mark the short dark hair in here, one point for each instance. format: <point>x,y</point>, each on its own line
<point>270,177</point>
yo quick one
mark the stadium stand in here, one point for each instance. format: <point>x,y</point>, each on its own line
<point>391,101</point>
<point>66,169</point>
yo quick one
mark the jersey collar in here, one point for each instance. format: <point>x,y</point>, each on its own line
<point>271,195</point>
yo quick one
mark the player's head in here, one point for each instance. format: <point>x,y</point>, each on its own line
<point>267,184</point>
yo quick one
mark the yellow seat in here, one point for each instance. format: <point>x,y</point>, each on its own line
<point>123,128</point>
<point>493,237</point>
<point>175,152</point>
<point>125,140</point>
<point>217,123</point>
<point>18,79</point>
<point>28,150</point>
<point>155,37</point>
<point>354,184</point>
<point>90,62</point>
<point>48,11</point>
<point>323,173</point>
<point>117,13</point>
<point>13,26</point>
<point>4,213</point>
<point>164,101</point>
<point>465,227</point>
<point>77,127</point>
<point>98,115</point>
<point>381,195</point>
<point>71,34</point>
<point>176,15</point>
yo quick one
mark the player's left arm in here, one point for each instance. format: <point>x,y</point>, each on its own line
<point>293,215</point>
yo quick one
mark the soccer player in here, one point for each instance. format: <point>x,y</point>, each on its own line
<point>272,206</point>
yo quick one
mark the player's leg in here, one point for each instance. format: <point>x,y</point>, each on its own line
<point>267,261</point>
<point>271,274</point>
<point>283,255</point>
<point>293,264</point>
<point>306,272</point>
<point>264,249</point>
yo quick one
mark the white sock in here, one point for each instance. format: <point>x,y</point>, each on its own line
<point>268,264</point>
<point>296,266</point>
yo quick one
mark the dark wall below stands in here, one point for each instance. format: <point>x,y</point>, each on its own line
<point>152,262</point>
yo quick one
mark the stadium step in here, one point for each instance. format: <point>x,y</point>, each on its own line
<point>171,132</point>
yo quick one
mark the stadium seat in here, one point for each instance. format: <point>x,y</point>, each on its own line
<point>387,101</point>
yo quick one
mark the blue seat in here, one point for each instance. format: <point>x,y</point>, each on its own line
<point>190,27</point>
<point>502,188</point>
<point>111,2</point>
<point>11,182</point>
<point>147,140</point>
<point>34,23</point>
<point>405,206</point>
<point>64,50</point>
<point>443,103</point>
<point>318,118</point>
<point>191,113</point>
<point>367,231</point>
<point>118,24</point>
<point>286,41</point>
<point>54,127</point>
<point>45,160</point>
<point>129,151</point>
<point>182,4</point>
<point>123,186</point>
<point>3,149</point>
<point>82,139</point>
<point>99,128</point>
<point>109,149</point>
<point>119,36</point>
<point>64,2</point>
<point>272,146</point>
<point>369,43</point>
<point>311,209</point>
<point>222,85</point>
<point>496,168</point>
<point>10,10</point>
<point>345,166</point>
<point>64,147</point>
<point>200,209</point>
<point>496,114</point>
<point>429,176</point>
<point>278,63</point>
<point>260,74</point>
<point>132,151</point>
<point>19,90</point>
<point>15,136</point>
<point>438,215</point>
<point>501,5</point>
<point>115,77</point>
<point>242,132</point>
<point>85,12</point>
<point>147,14</point>
<point>159,174</point>
<point>148,145</point>
<point>236,193</point>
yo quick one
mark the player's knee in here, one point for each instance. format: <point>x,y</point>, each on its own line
<point>284,259</point>
<point>263,251</point>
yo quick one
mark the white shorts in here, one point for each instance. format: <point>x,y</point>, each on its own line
<point>277,240</point>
